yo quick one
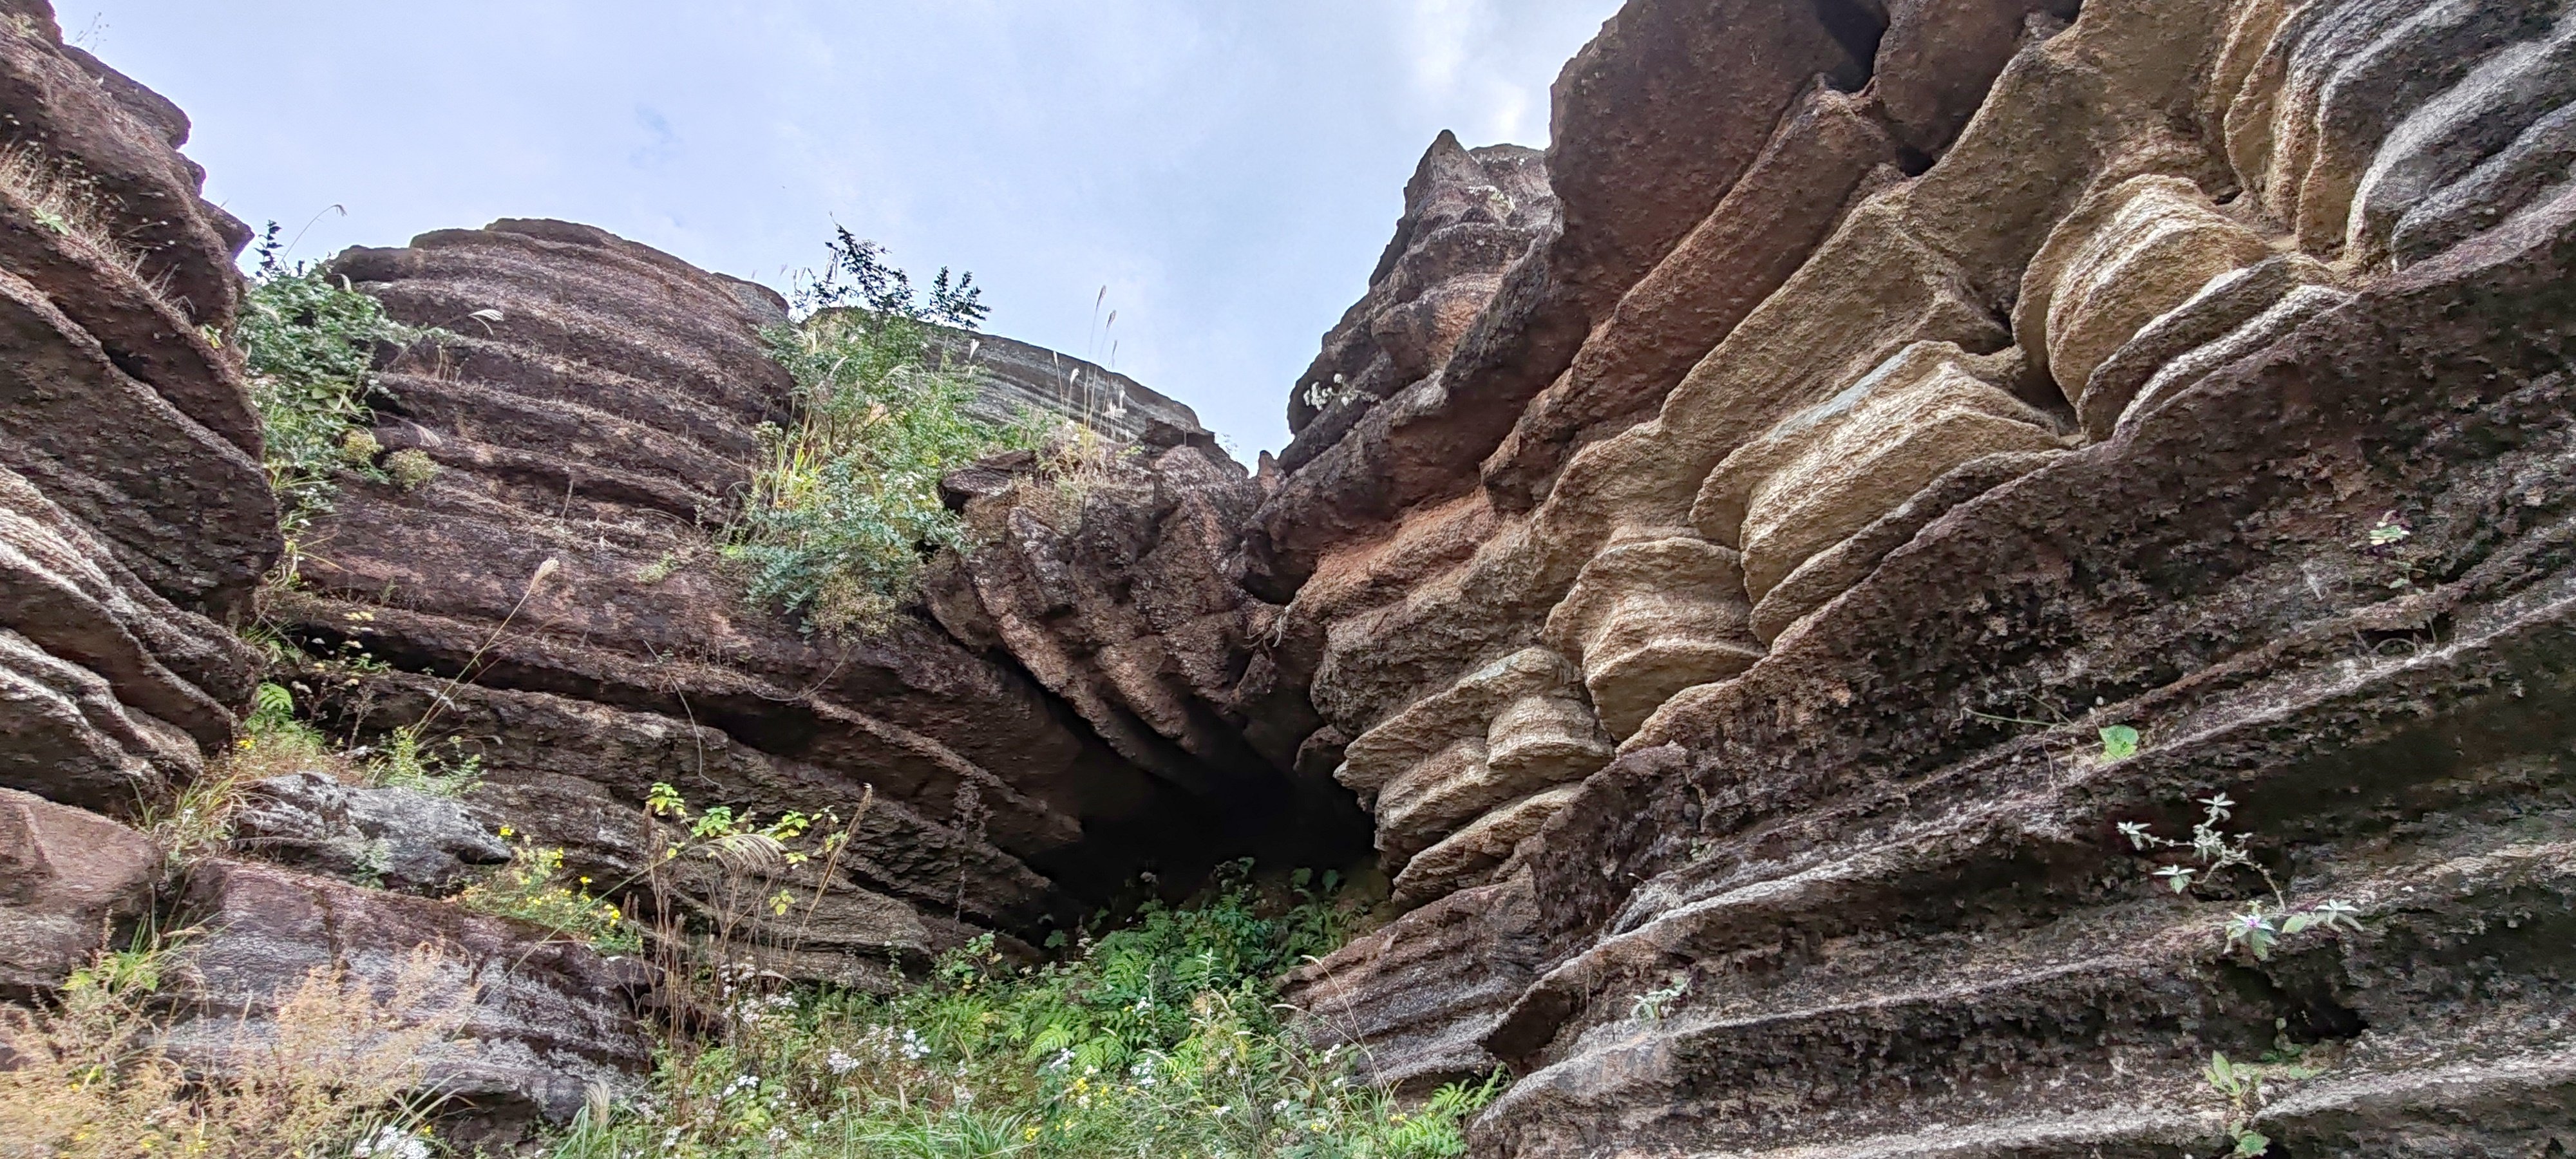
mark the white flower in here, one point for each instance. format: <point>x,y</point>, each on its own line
<point>777,1134</point>
<point>741,1082</point>
<point>391,1143</point>
<point>839,1062</point>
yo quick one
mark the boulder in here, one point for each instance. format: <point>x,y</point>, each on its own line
<point>69,879</point>
<point>548,1019</point>
<point>404,840</point>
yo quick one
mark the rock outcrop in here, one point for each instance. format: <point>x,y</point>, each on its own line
<point>68,878</point>
<point>551,602</point>
<point>1014,381</point>
<point>538,1022</point>
<point>134,514</point>
<point>1982,377</point>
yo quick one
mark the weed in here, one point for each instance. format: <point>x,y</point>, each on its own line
<point>411,468</point>
<point>1160,1038</point>
<point>2119,743</point>
<point>2214,851</point>
<point>2244,1086</point>
<point>309,342</point>
<point>68,203</point>
<point>1651,1005</point>
<point>532,889</point>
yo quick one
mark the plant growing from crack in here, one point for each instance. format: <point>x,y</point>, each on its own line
<point>2243,1085</point>
<point>2214,851</point>
<point>1652,1005</point>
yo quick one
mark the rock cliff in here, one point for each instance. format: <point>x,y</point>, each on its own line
<point>1724,633</point>
<point>1757,576</point>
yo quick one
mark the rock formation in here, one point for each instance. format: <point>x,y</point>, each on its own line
<point>1755,574</point>
<point>1982,376</point>
<point>1014,380</point>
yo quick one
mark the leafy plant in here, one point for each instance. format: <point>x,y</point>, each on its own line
<point>2214,851</point>
<point>533,888</point>
<point>2119,743</point>
<point>309,342</point>
<point>2244,1086</point>
<point>1160,1037</point>
<point>1651,1005</point>
<point>846,501</point>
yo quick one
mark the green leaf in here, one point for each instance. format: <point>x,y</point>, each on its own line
<point>2119,743</point>
<point>2251,1143</point>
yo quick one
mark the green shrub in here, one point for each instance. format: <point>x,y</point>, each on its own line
<point>309,341</point>
<point>1161,1038</point>
<point>846,502</point>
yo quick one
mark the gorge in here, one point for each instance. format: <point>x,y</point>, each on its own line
<point>1754,579</point>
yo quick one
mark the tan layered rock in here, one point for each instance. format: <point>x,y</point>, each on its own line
<point>2095,419</point>
<point>1826,472</point>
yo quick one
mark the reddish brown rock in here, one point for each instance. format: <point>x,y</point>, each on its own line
<point>133,510</point>
<point>549,1018</point>
<point>68,880</point>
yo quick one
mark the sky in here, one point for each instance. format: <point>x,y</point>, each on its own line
<point>1226,170</point>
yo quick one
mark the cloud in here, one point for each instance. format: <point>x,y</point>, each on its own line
<point>1229,170</point>
<point>660,145</point>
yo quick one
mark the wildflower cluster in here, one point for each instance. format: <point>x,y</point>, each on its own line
<point>532,888</point>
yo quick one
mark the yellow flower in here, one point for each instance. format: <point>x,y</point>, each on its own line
<point>505,831</point>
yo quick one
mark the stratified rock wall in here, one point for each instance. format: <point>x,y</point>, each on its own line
<point>596,419</point>
<point>133,511</point>
<point>2194,368</point>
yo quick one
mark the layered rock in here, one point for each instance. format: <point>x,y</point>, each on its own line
<point>134,514</point>
<point>551,601</point>
<point>538,1023</point>
<point>1013,381</point>
<point>2046,373</point>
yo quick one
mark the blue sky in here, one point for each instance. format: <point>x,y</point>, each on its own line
<point>1228,169</point>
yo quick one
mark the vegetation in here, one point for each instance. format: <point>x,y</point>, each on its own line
<point>532,889</point>
<point>2213,852</point>
<point>309,342</point>
<point>1163,1037</point>
<point>846,502</point>
<point>88,1078</point>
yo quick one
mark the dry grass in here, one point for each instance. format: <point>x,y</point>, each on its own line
<point>1074,462</point>
<point>337,1065</point>
<point>63,200</point>
<point>199,822</point>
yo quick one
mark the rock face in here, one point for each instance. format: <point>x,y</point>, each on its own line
<point>1718,559</point>
<point>547,1019</point>
<point>68,879</point>
<point>1965,380</point>
<point>1014,379</point>
<point>560,564</point>
<point>400,839</point>
<point>134,514</point>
